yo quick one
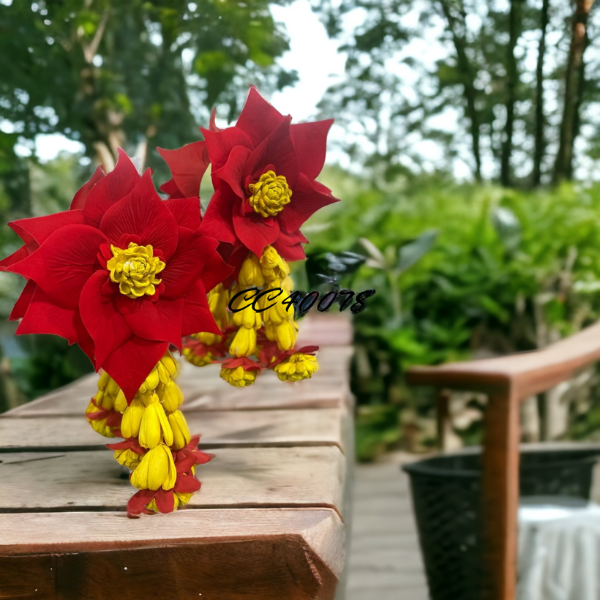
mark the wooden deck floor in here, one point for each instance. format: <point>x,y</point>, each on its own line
<point>385,560</point>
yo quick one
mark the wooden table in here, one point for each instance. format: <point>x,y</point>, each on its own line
<point>270,521</point>
<point>507,381</point>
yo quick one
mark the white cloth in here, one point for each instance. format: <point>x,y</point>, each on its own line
<point>559,552</point>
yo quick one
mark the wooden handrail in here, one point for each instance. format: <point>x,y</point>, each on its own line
<point>524,374</point>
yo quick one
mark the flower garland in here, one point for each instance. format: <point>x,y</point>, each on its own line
<point>129,277</point>
<point>264,173</point>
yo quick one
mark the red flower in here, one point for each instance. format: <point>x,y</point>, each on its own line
<point>264,172</point>
<point>123,273</point>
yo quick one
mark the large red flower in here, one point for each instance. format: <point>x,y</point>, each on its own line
<point>123,273</point>
<point>263,171</point>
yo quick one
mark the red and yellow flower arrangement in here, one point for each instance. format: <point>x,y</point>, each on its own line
<point>130,276</point>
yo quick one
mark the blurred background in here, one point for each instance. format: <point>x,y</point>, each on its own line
<point>465,152</point>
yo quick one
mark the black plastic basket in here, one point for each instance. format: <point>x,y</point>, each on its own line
<point>446,493</point>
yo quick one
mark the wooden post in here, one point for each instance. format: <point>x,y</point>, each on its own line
<point>442,417</point>
<point>500,482</point>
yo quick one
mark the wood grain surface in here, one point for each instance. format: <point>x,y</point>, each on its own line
<point>304,427</point>
<point>268,523</point>
<point>233,554</point>
<point>204,390</point>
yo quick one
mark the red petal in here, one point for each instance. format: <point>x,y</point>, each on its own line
<point>308,198</point>
<point>15,257</point>
<point>185,464</point>
<point>137,503</point>
<point>258,118</point>
<point>217,220</point>
<point>184,267</point>
<point>202,457</point>
<point>170,188</point>
<point>124,445</point>
<point>220,144</point>
<point>22,303</point>
<point>310,142</point>
<point>40,228</point>
<point>110,189</point>
<point>131,363</point>
<point>145,215</point>
<point>215,270</point>
<point>186,211</point>
<point>83,192</point>
<point>290,252</point>
<point>44,316</point>
<point>101,318</point>
<point>256,232</point>
<point>186,484</point>
<point>187,164</point>
<point>233,171</point>
<point>277,150</point>
<point>164,501</point>
<point>196,314</point>
<point>289,245</point>
<point>63,264</point>
<point>157,321</point>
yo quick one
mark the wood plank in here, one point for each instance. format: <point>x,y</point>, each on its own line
<point>204,390</point>
<point>273,554</point>
<point>311,427</point>
<point>252,477</point>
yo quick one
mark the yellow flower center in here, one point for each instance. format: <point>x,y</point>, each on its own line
<point>135,270</point>
<point>269,194</point>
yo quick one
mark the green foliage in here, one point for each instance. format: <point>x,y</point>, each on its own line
<point>504,267</point>
<point>115,73</point>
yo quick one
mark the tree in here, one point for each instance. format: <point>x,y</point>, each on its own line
<point>574,84</point>
<point>466,76</point>
<point>110,73</point>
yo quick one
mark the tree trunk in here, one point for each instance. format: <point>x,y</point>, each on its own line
<point>458,29</point>
<point>512,73</point>
<point>539,136</point>
<point>563,168</point>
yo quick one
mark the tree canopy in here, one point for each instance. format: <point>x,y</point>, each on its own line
<point>511,92</point>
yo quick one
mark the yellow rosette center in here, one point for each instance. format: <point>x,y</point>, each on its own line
<point>269,194</point>
<point>135,269</point>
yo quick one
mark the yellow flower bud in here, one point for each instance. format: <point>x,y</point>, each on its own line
<point>156,469</point>
<point>128,458</point>
<point>120,402</point>
<point>198,360</point>
<point>112,387</point>
<point>286,334</point>
<point>244,342</point>
<point>155,427</point>
<point>238,377</point>
<point>272,265</point>
<point>183,498</point>
<point>170,364</point>
<point>251,273</point>
<point>181,431</point>
<point>98,425</point>
<point>132,418</point>
<point>151,382</point>
<point>208,338</point>
<point>297,367</point>
<point>248,318</point>
<point>171,397</point>
<point>103,381</point>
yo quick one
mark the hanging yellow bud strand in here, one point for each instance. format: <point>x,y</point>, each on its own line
<point>158,448</point>
<point>260,331</point>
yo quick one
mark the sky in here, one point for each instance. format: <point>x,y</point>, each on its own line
<point>315,57</point>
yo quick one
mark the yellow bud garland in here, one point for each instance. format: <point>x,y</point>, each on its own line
<point>156,435</point>
<point>254,340</point>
